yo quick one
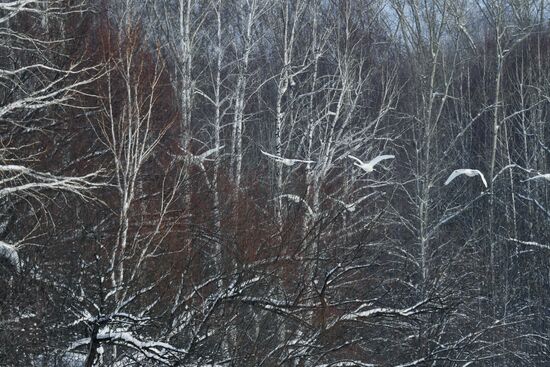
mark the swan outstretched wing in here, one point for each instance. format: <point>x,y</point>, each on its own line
<point>455,174</point>
<point>466,171</point>
<point>360,162</point>
<point>208,153</point>
<point>272,156</point>
<point>380,158</point>
<point>482,177</point>
<point>299,161</point>
<point>287,161</point>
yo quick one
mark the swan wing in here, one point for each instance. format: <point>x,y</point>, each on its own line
<point>381,158</point>
<point>482,177</point>
<point>301,161</point>
<point>356,159</point>
<point>455,174</point>
<point>209,152</point>
<point>271,156</point>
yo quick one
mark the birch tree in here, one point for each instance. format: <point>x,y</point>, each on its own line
<point>40,82</point>
<point>128,123</point>
<point>34,84</point>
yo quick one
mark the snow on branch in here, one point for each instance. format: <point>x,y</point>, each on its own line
<point>50,94</point>
<point>384,311</point>
<point>12,8</point>
<point>350,363</point>
<point>530,243</point>
<point>155,350</point>
<point>28,181</point>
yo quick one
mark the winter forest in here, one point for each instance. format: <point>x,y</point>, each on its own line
<point>274,183</point>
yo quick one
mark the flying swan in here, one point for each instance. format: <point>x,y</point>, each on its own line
<point>286,161</point>
<point>369,166</point>
<point>468,172</point>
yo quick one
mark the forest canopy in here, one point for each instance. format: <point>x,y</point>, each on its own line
<point>274,183</point>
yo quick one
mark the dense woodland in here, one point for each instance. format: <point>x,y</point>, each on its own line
<point>180,183</point>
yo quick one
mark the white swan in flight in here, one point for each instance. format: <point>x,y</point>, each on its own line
<point>369,166</point>
<point>468,172</point>
<point>286,161</point>
<point>198,159</point>
<point>202,157</point>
